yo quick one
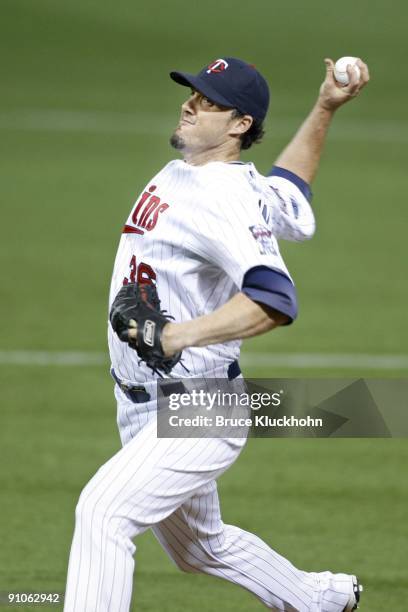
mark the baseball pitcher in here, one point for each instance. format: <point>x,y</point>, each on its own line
<point>198,269</point>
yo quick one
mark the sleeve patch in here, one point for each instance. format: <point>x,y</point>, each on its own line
<point>263,237</point>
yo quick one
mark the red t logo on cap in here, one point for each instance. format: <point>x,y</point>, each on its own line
<point>218,66</point>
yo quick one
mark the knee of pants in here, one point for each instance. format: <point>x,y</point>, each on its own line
<point>199,556</point>
<point>96,514</point>
<point>88,511</point>
<point>214,545</point>
<point>97,520</point>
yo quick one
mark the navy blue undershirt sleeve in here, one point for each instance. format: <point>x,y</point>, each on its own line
<point>293,178</point>
<point>272,288</point>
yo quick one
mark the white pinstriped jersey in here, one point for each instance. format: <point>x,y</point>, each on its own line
<point>195,231</point>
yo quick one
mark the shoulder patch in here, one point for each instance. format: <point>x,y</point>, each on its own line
<point>263,237</point>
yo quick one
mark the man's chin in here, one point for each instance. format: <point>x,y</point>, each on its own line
<point>177,141</point>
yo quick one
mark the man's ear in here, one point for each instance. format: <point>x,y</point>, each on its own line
<point>240,125</point>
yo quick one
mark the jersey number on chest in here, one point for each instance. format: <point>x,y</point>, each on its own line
<point>142,273</point>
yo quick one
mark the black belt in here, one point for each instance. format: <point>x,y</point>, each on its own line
<point>138,394</point>
<point>233,370</point>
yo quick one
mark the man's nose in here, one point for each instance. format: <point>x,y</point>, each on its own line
<point>188,105</point>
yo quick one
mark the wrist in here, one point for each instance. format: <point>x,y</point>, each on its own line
<point>325,107</point>
<point>173,339</point>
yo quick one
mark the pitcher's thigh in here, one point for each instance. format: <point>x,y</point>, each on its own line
<point>150,477</point>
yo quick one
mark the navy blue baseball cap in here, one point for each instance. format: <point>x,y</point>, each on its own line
<point>232,83</point>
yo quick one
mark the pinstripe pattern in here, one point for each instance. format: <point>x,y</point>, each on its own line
<point>198,541</point>
<point>200,251</point>
<point>169,485</point>
<point>140,486</point>
<point>201,248</point>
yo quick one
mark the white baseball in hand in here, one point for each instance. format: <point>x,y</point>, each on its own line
<point>340,69</point>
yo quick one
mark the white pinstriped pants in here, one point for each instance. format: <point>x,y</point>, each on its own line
<point>169,485</point>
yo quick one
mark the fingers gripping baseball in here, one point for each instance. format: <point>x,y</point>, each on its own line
<point>333,94</point>
<point>137,319</point>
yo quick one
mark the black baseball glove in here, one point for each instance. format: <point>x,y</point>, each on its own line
<point>138,305</point>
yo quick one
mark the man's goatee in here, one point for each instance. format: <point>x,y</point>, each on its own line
<point>177,142</point>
